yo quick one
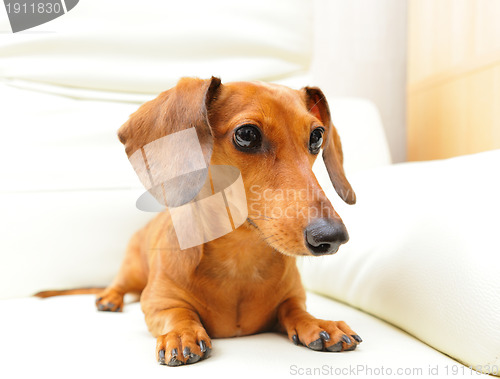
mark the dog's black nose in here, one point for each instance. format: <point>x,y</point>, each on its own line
<point>325,235</point>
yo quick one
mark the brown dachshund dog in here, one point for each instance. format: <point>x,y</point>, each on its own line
<point>247,281</point>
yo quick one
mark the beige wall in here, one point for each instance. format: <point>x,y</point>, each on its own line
<point>453,77</point>
<point>361,47</point>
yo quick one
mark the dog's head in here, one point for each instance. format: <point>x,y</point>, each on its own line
<point>273,135</point>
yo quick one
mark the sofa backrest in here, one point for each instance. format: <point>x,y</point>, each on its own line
<point>143,47</point>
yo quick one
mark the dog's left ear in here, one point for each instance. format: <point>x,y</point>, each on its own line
<point>169,140</point>
<point>184,106</point>
<point>332,152</point>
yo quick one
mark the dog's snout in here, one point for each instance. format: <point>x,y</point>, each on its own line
<point>324,236</point>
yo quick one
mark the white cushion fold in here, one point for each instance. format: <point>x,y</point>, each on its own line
<point>423,253</point>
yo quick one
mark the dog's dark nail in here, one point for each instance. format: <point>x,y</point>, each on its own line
<point>186,352</point>
<point>346,339</point>
<point>208,352</point>
<point>316,345</point>
<point>324,336</point>
<point>174,362</point>
<point>357,338</point>
<point>193,358</point>
<point>101,307</point>
<point>295,339</point>
<point>110,305</point>
<point>161,360</point>
<point>98,299</point>
<point>203,346</point>
<point>335,348</point>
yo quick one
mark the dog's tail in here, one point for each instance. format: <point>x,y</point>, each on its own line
<point>76,291</point>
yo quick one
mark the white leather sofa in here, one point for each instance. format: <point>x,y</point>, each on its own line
<point>418,279</point>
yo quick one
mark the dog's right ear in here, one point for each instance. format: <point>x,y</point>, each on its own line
<point>332,153</point>
<point>169,141</point>
<point>184,106</point>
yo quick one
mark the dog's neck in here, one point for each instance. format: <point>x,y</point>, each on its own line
<point>244,253</point>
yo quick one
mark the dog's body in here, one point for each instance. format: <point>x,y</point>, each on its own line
<point>247,281</point>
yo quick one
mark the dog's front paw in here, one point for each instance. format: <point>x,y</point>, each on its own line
<point>179,348</point>
<point>321,335</point>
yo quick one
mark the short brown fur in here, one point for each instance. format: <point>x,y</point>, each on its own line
<point>247,281</point>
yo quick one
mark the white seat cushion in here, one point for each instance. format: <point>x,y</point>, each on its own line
<point>66,337</point>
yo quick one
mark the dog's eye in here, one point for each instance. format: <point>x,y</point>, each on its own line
<point>316,140</point>
<point>247,137</point>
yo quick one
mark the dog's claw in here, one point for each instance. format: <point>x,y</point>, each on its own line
<point>193,358</point>
<point>346,339</point>
<point>357,338</point>
<point>108,307</point>
<point>203,346</point>
<point>295,339</point>
<point>207,353</point>
<point>161,359</point>
<point>324,336</point>
<point>335,348</point>
<point>316,345</point>
<point>174,362</point>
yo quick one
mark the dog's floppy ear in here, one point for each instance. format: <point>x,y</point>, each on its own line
<point>181,107</point>
<point>169,141</point>
<point>332,152</point>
